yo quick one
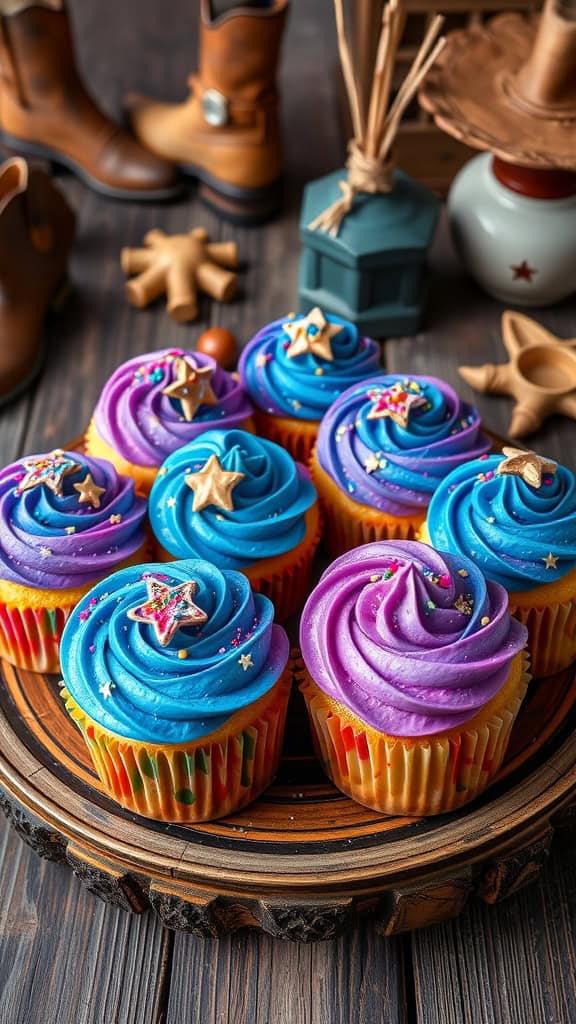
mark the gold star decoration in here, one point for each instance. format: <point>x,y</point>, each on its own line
<point>192,387</point>
<point>89,491</point>
<point>312,333</point>
<point>168,609</point>
<point>527,465</point>
<point>213,485</point>
<point>372,464</point>
<point>246,661</point>
<point>551,561</point>
<point>547,355</point>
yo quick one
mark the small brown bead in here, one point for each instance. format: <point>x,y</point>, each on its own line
<point>221,344</point>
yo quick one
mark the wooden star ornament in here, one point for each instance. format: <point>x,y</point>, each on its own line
<point>540,376</point>
<point>192,387</point>
<point>312,333</point>
<point>168,609</point>
<point>527,465</point>
<point>181,266</point>
<point>213,485</point>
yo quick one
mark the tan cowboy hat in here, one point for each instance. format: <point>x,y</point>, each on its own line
<point>509,86</point>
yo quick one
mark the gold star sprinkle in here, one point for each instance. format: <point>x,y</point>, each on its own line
<point>182,654</point>
<point>463,572</point>
<point>171,502</point>
<point>89,491</point>
<point>162,471</point>
<point>192,387</point>
<point>312,333</point>
<point>484,620</point>
<point>527,465</point>
<point>372,463</point>
<point>246,661</point>
<point>45,551</point>
<point>106,689</point>
<point>70,529</point>
<point>115,518</point>
<point>551,561</point>
<point>319,371</point>
<point>213,485</point>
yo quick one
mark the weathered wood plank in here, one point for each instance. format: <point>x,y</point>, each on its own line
<point>64,955</point>
<point>504,965</point>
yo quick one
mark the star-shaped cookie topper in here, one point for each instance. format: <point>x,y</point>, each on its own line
<point>192,387</point>
<point>89,491</point>
<point>396,402</point>
<point>49,470</point>
<point>312,333</point>
<point>168,609</point>
<point>213,485</point>
<point>528,465</point>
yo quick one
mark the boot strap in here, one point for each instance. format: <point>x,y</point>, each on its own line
<point>219,109</point>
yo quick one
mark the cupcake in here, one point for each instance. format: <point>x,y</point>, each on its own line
<point>66,521</point>
<point>178,680</point>
<point>514,514</point>
<point>414,676</point>
<point>244,504</point>
<point>382,450</point>
<point>155,403</point>
<point>296,367</point>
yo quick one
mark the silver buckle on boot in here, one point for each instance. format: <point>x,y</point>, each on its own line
<point>215,108</point>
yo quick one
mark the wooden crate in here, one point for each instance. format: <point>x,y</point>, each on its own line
<point>422,149</point>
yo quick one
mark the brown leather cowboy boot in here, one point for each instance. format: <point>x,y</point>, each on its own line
<point>46,112</point>
<point>36,234</point>
<point>227,132</point>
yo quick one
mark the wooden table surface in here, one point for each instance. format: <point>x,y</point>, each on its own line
<point>66,957</point>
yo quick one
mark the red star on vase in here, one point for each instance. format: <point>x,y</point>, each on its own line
<point>523,272</point>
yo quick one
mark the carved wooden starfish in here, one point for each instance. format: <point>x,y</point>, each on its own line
<point>180,265</point>
<point>541,374</point>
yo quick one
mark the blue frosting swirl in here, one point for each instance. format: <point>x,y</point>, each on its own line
<point>506,526</point>
<point>156,695</point>
<point>270,503</point>
<point>391,467</point>
<point>304,386</point>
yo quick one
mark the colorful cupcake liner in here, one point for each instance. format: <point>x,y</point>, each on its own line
<point>551,636</point>
<point>30,637</point>
<point>349,524</point>
<point>288,587</point>
<point>297,436</point>
<point>398,776</point>
<point>198,781</point>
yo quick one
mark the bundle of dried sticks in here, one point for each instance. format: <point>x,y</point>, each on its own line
<point>370,163</point>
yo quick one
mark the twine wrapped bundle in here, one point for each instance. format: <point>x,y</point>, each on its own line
<point>370,163</point>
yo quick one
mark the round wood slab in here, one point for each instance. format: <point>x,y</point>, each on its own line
<point>303,860</point>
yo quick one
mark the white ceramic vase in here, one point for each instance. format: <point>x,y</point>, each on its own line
<point>519,242</point>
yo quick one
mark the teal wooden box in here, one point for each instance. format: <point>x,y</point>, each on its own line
<point>374,272</point>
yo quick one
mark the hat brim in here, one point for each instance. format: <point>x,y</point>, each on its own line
<point>470,94</point>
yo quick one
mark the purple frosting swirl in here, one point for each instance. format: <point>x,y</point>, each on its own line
<point>145,426</point>
<point>389,466</point>
<point>56,541</point>
<point>412,640</point>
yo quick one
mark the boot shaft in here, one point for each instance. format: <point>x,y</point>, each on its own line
<point>239,51</point>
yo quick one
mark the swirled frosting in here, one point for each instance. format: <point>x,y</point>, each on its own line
<point>303,386</point>
<point>119,673</point>
<point>412,640</point>
<point>269,502</point>
<point>144,425</point>
<point>53,537</point>
<point>389,466</point>
<point>521,536</point>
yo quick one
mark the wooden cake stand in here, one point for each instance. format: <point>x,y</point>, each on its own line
<point>304,860</point>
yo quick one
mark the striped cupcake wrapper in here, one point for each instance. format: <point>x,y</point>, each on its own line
<point>197,781</point>
<point>30,637</point>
